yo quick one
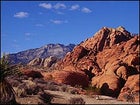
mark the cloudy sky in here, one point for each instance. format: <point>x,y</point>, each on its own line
<point>32,24</point>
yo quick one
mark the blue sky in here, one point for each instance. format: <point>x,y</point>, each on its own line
<point>32,24</point>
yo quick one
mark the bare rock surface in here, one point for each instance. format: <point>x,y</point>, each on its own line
<point>108,59</point>
<point>131,89</point>
<point>44,62</point>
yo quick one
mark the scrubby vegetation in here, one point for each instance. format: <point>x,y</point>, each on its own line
<point>76,100</point>
<point>7,95</point>
<point>92,90</point>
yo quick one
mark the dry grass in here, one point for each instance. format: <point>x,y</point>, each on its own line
<point>77,100</point>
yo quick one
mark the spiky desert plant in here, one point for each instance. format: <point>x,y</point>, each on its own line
<point>7,94</point>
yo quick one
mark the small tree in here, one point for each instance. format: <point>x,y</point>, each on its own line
<point>7,94</point>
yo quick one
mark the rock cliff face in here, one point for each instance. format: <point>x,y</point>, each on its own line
<point>45,62</point>
<point>56,50</point>
<point>131,89</point>
<point>108,59</point>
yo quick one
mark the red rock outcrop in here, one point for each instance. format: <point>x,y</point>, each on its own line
<point>131,89</point>
<point>108,59</point>
<point>109,84</point>
<point>68,77</point>
<point>72,78</point>
<point>32,73</point>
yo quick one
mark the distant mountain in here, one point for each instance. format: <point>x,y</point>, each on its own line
<point>56,50</point>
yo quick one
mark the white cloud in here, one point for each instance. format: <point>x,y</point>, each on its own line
<point>45,5</point>
<point>59,21</point>
<point>74,7</point>
<point>59,6</point>
<point>86,10</point>
<point>21,15</point>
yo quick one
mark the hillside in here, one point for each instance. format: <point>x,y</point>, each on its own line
<point>109,60</point>
<point>56,50</point>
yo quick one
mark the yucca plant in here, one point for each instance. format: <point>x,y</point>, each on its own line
<point>7,94</point>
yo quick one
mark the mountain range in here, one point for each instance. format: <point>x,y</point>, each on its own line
<point>56,50</point>
<point>108,61</point>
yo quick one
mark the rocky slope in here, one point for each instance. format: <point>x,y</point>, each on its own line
<point>56,50</point>
<point>109,60</point>
<point>43,62</point>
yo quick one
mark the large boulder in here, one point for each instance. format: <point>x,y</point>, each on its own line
<point>109,84</point>
<point>131,89</point>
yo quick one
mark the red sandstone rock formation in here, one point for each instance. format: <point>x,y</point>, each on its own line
<point>32,73</point>
<point>131,89</point>
<point>108,59</point>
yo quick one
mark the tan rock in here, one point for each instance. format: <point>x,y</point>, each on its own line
<point>109,84</point>
<point>122,72</point>
<point>49,61</point>
<point>35,62</point>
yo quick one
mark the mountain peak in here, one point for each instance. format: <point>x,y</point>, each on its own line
<point>120,28</point>
<point>106,37</point>
<point>56,50</point>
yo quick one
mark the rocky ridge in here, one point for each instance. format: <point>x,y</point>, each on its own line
<point>56,50</point>
<point>109,60</point>
<point>43,62</point>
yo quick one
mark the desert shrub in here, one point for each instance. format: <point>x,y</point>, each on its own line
<point>23,77</point>
<point>28,88</point>
<point>45,98</point>
<point>92,90</point>
<point>33,90</point>
<point>78,86</point>
<point>77,100</point>
<point>20,90</point>
<point>72,90</point>
<point>14,83</point>
<point>63,88</point>
<point>51,83</point>
<point>7,94</point>
<point>54,88</point>
<point>129,97</point>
